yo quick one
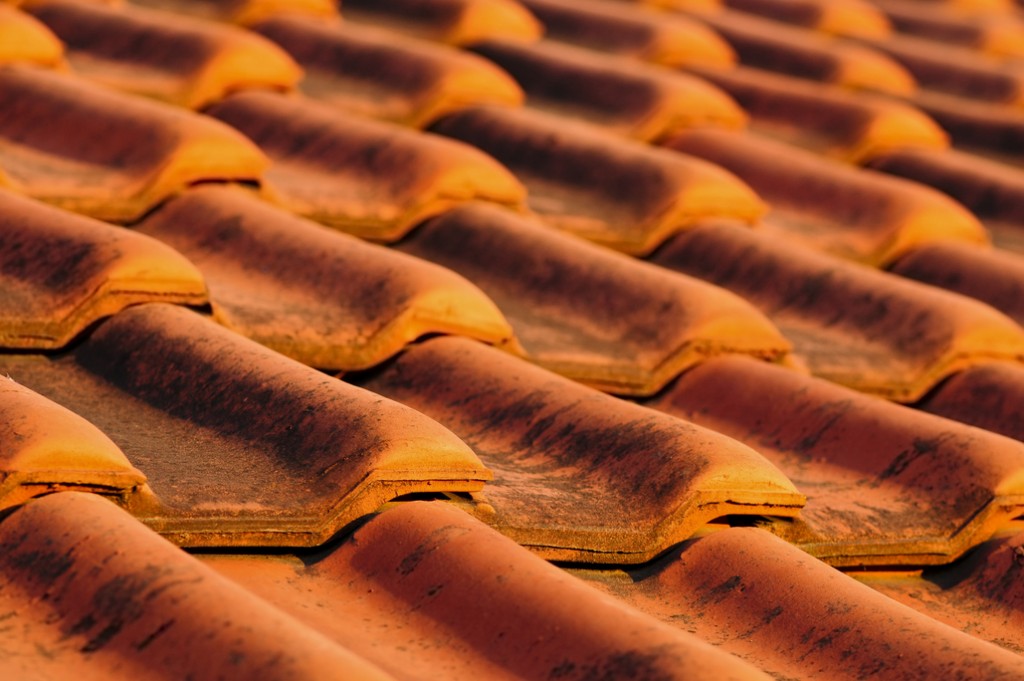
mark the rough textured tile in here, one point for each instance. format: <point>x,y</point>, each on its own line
<point>109,155</point>
<point>982,595</point>
<point>635,32</point>
<point>456,22</point>
<point>885,484</point>
<point>993,191</point>
<point>24,39</point>
<point>769,45</point>
<point>367,71</point>
<point>324,298</point>
<point>839,17</point>
<point>579,475</point>
<point>640,101</point>
<point>175,59</point>
<point>997,34</point>
<point>767,602</point>
<point>242,446</point>
<point>852,213</point>
<point>89,593</point>
<point>988,396</point>
<point>369,178</point>
<point>619,193</point>
<point>397,594</point>
<point>826,119</point>
<point>869,330</point>
<point>995,277</point>
<point>943,67</point>
<point>246,12</point>
<point>46,448</point>
<point>597,317</point>
<point>60,273</point>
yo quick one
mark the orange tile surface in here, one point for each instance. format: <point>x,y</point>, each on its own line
<point>988,396</point>
<point>60,273</point>
<point>997,34</point>
<point>840,17</point>
<point>826,119</point>
<point>351,307</point>
<point>885,484</point>
<point>24,39</point>
<point>865,329</point>
<point>859,215</point>
<point>578,475</point>
<point>639,101</point>
<point>364,70</point>
<point>983,128</point>
<point>228,432</point>
<point>456,22</point>
<point>414,591</point>
<point>618,193</point>
<point>595,316</point>
<point>112,156</point>
<point>368,178</point>
<point>638,32</point>
<point>246,12</point>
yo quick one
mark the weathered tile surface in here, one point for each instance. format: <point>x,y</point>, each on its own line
<point>840,17</point>
<point>457,22</point>
<point>987,395</point>
<point>246,12</point>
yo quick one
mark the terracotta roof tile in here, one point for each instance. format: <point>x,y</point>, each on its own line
<point>592,315</point>
<point>856,214</point>
<point>319,296</point>
<point>369,178</point>
<point>770,45</point>
<point>767,602</point>
<point>105,154</point>
<point>60,273</point>
<point>636,32</point>
<point>89,593</point>
<point>44,448</point>
<point>991,130</point>
<point>981,595</point>
<point>993,191</point>
<point>640,101</point>
<point>987,395</point>
<point>367,71</point>
<point>176,59</point>
<point>616,192</point>
<point>246,12</point>
<point>869,330</point>
<point>24,39</point>
<point>885,484</point>
<point>840,17</point>
<point>823,118</point>
<point>998,34</point>
<point>945,67</point>
<point>277,453</point>
<point>579,475</point>
<point>993,276</point>
<point>456,22</point>
<point>425,591</point>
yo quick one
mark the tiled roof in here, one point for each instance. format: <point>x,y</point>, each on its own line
<point>511,339</point>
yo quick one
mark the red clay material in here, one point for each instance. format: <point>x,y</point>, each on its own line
<point>640,101</point>
<point>108,155</point>
<point>427,592</point>
<point>579,475</point>
<point>324,298</point>
<point>988,396</point>
<point>840,17</point>
<point>595,316</point>
<point>869,330</point>
<point>767,602</point>
<point>89,593</point>
<point>992,130</point>
<point>827,119</point>
<point>372,179</point>
<point>637,32</point>
<point>885,484</point>
<point>179,60</point>
<point>247,12</point>
<point>242,446</point>
<point>372,72</point>
<point>24,39</point>
<point>456,22</point>
<point>997,34</point>
<point>852,213</point>
<point>618,193</point>
<point>60,273</point>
